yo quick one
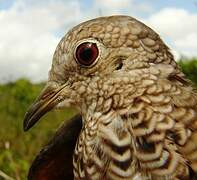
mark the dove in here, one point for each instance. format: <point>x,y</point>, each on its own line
<point>137,110</point>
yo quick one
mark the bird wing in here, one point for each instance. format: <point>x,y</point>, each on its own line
<point>55,159</point>
<point>164,129</point>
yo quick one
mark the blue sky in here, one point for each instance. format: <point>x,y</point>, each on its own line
<point>185,4</point>
<point>37,26</point>
<point>190,5</point>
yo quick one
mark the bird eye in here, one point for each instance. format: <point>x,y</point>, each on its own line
<point>86,53</point>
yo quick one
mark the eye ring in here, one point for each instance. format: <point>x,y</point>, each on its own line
<point>87,53</point>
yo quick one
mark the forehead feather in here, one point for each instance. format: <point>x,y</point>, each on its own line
<point>113,31</point>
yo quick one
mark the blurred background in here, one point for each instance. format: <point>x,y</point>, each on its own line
<point>29,33</point>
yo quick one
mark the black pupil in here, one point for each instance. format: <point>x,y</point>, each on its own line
<point>86,53</point>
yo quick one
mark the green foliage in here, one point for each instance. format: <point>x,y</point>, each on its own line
<point>189,67</point>
<point>17,149</point>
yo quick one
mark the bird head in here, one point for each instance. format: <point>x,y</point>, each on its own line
<point>95,62</point>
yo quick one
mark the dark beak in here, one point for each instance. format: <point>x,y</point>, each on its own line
<point>48,99</point>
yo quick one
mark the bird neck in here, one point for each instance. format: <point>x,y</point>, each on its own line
<point>104,138</point>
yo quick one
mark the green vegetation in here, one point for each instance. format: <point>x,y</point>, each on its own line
<point>17,149</point>
<point>189,67</point>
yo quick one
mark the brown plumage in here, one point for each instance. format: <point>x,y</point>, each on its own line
<point>139,112</point>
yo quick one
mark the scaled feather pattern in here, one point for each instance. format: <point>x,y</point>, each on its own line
<point>139,112</point>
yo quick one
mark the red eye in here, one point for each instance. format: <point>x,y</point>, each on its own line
<point>87,53</point>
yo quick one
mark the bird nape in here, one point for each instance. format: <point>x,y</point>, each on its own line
<point>138,112</point>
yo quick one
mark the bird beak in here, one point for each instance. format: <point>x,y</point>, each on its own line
<point>48,99</point>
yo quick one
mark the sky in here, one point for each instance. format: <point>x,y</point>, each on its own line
<point>31,29</point>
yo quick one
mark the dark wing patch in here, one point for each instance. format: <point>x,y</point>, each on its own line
<point>193,175</point>
<point>55,160</point>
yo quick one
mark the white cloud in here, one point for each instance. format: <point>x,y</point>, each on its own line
<point>27,37</point>
<point>126,7</point>
<point>179,27</point>
<point>114,3</point>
